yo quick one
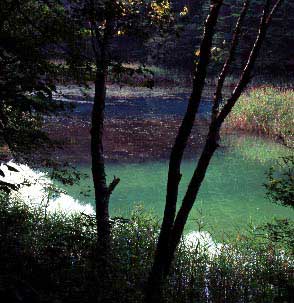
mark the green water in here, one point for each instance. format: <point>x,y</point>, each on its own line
<point>231,197</point>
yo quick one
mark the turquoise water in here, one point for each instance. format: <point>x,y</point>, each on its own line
<point>231,197</point>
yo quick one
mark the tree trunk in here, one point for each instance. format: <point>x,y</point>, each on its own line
<point>164,254</point>
<point>102,190</point>
<point>165,257</point>
<point>98,167</point>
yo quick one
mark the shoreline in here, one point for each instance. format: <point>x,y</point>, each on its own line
<point>133,140</point>
<point>126,141</point>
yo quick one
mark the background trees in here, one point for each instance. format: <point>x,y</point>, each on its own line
<point>28,31</point>
<point>275,55</point>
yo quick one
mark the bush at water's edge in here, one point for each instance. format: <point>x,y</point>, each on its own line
<point>266,110</point>
<point>49,257</point>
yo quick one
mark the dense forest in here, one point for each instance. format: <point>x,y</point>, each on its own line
<point>146,151</point>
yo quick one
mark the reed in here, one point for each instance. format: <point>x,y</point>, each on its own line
<point>266,110</point>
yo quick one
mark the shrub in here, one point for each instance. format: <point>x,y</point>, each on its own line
<point>280,182</point>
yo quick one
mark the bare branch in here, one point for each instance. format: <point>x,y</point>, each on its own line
<point>246,74</point>
<point>172,227</point>
<point>212,138</point>
<point>222,77</point>
<point>275,7</point>
<point>163,254</point>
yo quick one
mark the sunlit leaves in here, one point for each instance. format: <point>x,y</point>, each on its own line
<point>124,17</point>
<point>184,12</point>
<point>197,52</point>
<point>160,9</point>
<point>120,32</point>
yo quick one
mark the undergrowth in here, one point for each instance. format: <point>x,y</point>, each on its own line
<point>51,258</point>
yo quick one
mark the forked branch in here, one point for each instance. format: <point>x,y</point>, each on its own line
<point>174,175</point>
<point>246,74</point>
<point>212,139</point>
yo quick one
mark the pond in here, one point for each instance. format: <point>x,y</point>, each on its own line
<point>232,195</point>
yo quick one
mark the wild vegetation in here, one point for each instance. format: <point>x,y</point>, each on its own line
<point>49,258</point>
<point>266,110</point>
<point>280,185</point>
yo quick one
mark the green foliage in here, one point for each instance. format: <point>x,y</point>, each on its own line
<point>27,28</point>
<point>280,182</point>
<point>266,110</point>
<point>51,257</point>
<point>279,233</point>
<point>32,33</point>
<point>99,27</point>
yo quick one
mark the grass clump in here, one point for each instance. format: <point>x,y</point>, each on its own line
<point>266,110</point>
<point>50,257</point>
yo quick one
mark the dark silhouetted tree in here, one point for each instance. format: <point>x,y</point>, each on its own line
<point>174,222</point>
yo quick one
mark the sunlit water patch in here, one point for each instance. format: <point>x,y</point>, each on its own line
<point>35,189</point>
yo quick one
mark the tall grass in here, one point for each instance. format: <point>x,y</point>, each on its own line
<point>266,110</point>
<point>51,258</point>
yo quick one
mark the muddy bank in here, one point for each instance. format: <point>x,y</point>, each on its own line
<point>125,140</point>
<point>140,124</point>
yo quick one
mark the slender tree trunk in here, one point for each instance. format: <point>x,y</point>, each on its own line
<point>102,190</point>
<point>209,149</point>
<point>164,254</point>
<point>161,268</point>
<point>98,167</point>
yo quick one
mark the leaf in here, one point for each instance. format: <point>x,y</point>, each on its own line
<point>197,53</point>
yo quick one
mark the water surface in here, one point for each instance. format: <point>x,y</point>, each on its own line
<point>232,195</point>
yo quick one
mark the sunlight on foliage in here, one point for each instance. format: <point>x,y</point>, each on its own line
<point>160,9</point>
<point>266,110</point>
<point>184,12</point>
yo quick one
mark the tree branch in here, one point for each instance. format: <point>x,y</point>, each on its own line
<point>113,185</point>
<point>275,7</point>
<point>212,138</point>
<point>174,174</point>
<point>222,77</point>
<point>246,74</point>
